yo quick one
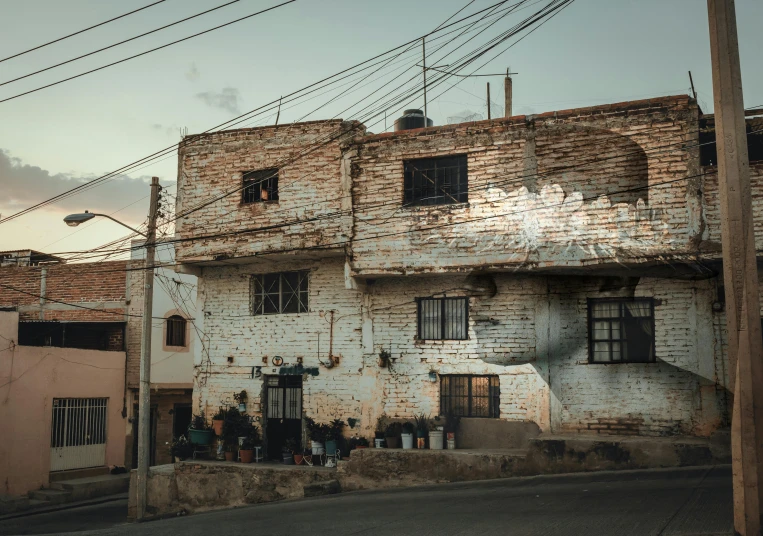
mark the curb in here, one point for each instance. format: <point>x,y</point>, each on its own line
<point>65,506</point>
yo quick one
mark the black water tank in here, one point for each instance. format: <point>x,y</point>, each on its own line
<point>412,119</point>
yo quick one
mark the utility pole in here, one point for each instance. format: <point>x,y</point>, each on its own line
<point>424,70</point>
<point>488,101</point>
<point>507,95</point>
<point>144,403</point>
<point>740,274</point>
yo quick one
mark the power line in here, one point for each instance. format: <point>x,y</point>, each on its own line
<point>79,32</point>
<point>146,52</point>
<point>120,43</point>
<point>163,152</point>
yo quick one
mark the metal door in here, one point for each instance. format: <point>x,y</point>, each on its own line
<point>78,433</point>
<point>284,412</point>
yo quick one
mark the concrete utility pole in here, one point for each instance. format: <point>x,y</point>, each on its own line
<point>488,100</point>
<point>507,95</point>
<point>144,404</point>
<point>740,273</point>
<point>424,72</point>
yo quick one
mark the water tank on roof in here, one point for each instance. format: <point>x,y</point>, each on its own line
<point>412,119</point>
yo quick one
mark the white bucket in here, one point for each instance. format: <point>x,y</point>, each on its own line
<point>407,440</point>
<point>435,440</point>
<point>379,443</point>
<point>317,448</point>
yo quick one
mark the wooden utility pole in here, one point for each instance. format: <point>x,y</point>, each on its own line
<point>144,402</point>
<point>488,100</point>
<point>740,274</point>
<point>507,95</point>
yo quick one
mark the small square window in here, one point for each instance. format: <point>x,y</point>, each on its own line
<point>621,331</point>
<point>465,395</point>
<point>284,292</point>
<point>436,181</point>
<point>443,318</point>
<point>260,185</point>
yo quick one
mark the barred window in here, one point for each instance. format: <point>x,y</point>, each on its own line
<point>621,330</point>
<point>470,396</point>
<point>284,292</point>
<point>260,185</point>
<point>443,318</point>
<point>436,181</point>
<point>176,327</point>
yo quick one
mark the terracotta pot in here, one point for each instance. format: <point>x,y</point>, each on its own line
<point>247,456</point>
<point>361,447</point>
<point>298,459</point>
<point>229,456</point>
<point>217,426</point>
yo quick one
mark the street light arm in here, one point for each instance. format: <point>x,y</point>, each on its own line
<point>120,223</point>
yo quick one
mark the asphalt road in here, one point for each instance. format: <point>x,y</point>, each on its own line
<point>662,502</point>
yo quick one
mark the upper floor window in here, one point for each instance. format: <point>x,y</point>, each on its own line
<point>436,181</point>
<point>621,330</point>
<point>176,328</point>
<point>443,318</point>
<point>260,185</point>
<point>284,292</point>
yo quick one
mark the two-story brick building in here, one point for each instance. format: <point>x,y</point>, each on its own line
<point>561,269</point>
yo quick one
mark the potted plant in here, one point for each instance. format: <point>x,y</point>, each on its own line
<point>392,434</point>
<point>246,452</point>
<point>406,435</point>
<point>299,456</point>
<point>199,432</point>
<point>230,451</point>
<point>334,434</point>
<point>317,433</point>
<point>451,427</point>
<point>379,432</point>
<point>357,443</point>
<point>422,427</point>
<point>181,448</point>
<point>217,422</point>
<point>290,447</point>
<point>241,398</point>
<point>436,436</point>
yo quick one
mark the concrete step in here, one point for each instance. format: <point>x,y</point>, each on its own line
<point>11,503</point>
<point>96,486</point>
<point>52,496</point>
<point>78,473</point>
<point>37,503</point>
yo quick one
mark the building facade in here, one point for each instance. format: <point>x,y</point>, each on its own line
<point>560,269</point>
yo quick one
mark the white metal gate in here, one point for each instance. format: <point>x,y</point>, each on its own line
<point>78,433</point>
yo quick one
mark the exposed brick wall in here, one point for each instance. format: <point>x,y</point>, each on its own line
<point>309,187</point>
<point>94,283</point>
<point>524,219</point>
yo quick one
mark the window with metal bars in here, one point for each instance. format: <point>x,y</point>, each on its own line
<point>436,181</point>
<point>621,330</point>
<point>260,185</point>
<point>465,395</point>
<point>283,292</point>
<point>176,328</point>
<point>443,318</point>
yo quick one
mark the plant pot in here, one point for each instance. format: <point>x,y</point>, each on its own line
<point>392,442</point>
<point>361,447</point>
<point>229,455</point>
<point>217,426</point>
<point>288,459</point>
<point>317,448</point>
<point>201,437</point>
<point>379,443</point>
<point>407,440</point>
<point>298,459</point>
<point>451,444</point>
<point>331,447</point>
<point>421,433</point>
<point>435,439</point>
<point>247,456</point>
<point>242,407</point>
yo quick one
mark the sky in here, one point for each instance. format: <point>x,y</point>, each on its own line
<point>593,52</point>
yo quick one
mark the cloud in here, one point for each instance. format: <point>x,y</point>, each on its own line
<point>192,74</point>
<point>24,185</point>
<point>227,99</point>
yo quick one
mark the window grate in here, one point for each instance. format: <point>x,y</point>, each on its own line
<point>436,181</point>
<point>443,318</point>
<point>621,330</point>
<point>260,185</point>
<point>466,395</point>
<point>176,328</point>
<point>284,292</point>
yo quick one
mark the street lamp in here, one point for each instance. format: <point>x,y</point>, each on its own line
<point>73,220</point>
<point>144,401</point>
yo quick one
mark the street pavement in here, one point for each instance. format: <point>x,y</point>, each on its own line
<point>654,502</point>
